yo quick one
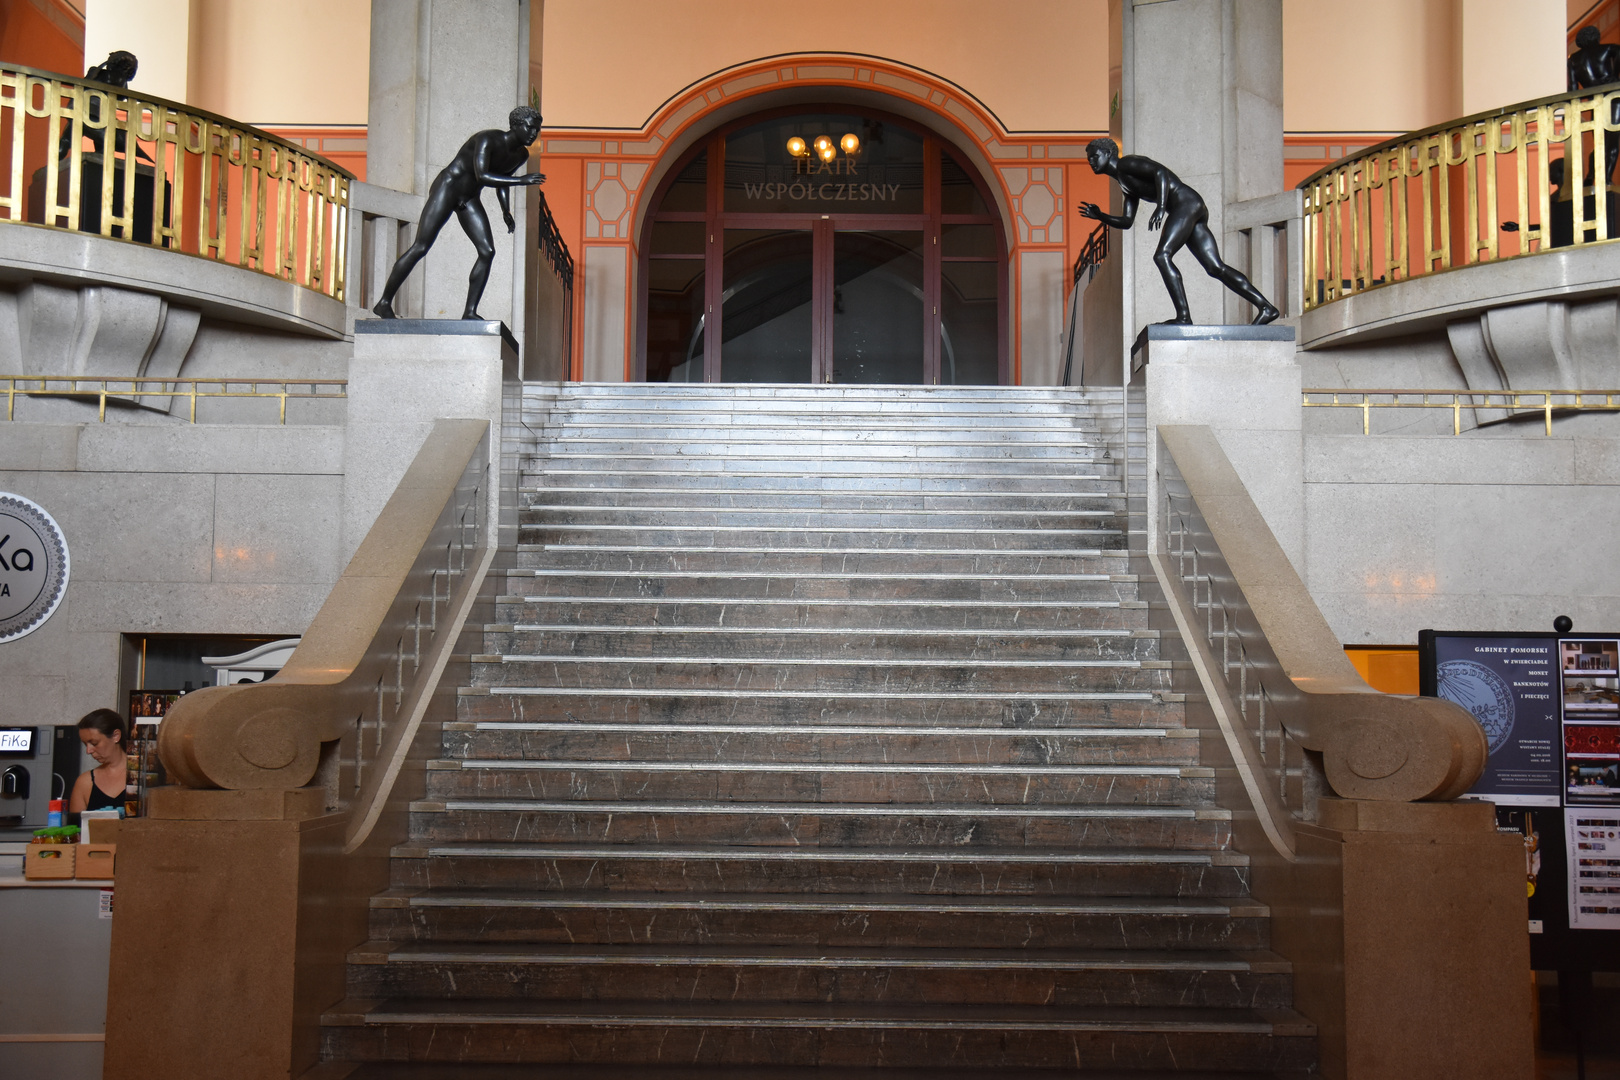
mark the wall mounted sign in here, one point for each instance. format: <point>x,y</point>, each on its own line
<point>33,566</point>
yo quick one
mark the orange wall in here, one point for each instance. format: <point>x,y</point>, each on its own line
<point>52,39</point>
<point>1038,65</point>
<point>1390,669</point>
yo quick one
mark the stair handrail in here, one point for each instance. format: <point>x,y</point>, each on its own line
<point>1273,670</point>
<point>365,671</point>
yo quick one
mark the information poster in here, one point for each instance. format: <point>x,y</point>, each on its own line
<point>1511,686</point>
<point>1593,836</point>
<point>1590,699</point>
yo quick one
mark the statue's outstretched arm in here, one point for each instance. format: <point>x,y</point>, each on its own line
<point>1117,221</point>
<point>497,180</point>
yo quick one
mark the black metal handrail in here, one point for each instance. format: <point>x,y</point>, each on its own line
<point>553,247</point>
<point>1093,254</point>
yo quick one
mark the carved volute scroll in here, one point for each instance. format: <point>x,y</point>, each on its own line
<point>353,676</point>
<point>1217,551</point>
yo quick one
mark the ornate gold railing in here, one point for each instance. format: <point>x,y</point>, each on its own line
<point>92,158</point>
<point>1468,191</point>
<point>1520,402</point>
<point>138,391</point>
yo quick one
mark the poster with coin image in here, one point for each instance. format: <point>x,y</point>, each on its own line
<point>1510,683</point>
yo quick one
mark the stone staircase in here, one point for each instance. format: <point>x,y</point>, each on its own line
<point>821,727</point>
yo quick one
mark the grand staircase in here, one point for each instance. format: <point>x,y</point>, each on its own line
<point>821,727</point>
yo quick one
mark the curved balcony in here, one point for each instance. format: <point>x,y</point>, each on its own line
<point>1462,218</point>
<point>107,185</point>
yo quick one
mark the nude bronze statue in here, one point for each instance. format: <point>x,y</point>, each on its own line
<point>1595,64</point>
<point>488,159</point>
<point>1185,218</point>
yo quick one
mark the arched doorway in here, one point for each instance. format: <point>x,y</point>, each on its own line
<point>829,245</point>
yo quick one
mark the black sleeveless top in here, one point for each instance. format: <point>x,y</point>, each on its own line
<point>100,800</point>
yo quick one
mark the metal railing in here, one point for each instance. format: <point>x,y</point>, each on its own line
<point>365,673</point>
<point>1514,402</point>
<point>1491,186</point>
<point>135,390</point>
<point>1092,255</point>
<point>553,247</point>
<point>87,157</point>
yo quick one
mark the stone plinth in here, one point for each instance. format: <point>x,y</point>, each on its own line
<point>1405,923</point>
<point>407,373</point>
<point>1244,383</point>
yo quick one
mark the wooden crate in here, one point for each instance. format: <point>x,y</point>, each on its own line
<point>49,862</point>
<point>95,862</point>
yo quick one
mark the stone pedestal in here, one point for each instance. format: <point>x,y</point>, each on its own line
<point>407,373</point>
<point>1244,383</point>
<point>1405,924</point>
<point>225,945</point>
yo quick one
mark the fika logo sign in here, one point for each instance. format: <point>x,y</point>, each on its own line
<point>33,566</point>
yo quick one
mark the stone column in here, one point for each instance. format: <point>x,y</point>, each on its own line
<point>440,71</point>
<point>1201,92</point>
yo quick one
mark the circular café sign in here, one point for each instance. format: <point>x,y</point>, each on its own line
<point>33,566</point>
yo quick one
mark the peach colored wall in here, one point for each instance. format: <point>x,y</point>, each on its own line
<point>286,62</point>
<point>1399,65</point>
<point>1039,65</point>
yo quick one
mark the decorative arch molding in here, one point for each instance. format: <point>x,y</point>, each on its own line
<point>613,173</point>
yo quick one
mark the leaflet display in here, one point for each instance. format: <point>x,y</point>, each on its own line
<point>1593,837</point>
<point>1590,701</point>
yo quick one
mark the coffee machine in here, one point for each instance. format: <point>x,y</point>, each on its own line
<point>37,764</point>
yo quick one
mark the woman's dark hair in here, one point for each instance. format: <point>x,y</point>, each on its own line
<point>106,721</point>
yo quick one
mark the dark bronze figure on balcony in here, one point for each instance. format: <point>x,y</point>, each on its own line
<point>488,159</point>
<point>1595,64</point>
<point>1185,218</point>
<point>116,70</point>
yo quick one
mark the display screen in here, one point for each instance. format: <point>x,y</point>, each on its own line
<point>16,740</point>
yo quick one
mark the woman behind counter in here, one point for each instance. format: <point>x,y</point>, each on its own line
<point>101,788</point>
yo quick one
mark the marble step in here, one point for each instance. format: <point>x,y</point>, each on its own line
<point>636,558</point>
<point>816,536</point>
<point>897,449</point>
<point>942,976</point>
<point>1047,504</point>
<point>768,601</point>
<point>861,783</point>
<point>541,673</point>
<point>571,419</point>
<point>740,673</point>
<point>1029,923</point>
<point>912,587</point>
<point>807,742</point>
<point>831,1034</point>
<point>855,429</point>
<point>853,644</point>
<point>733,869</point>
<point>335,1070</point>
<point>812,824</point>
<point>548,476</point>
<point>926,522</point>
<point>1011,709</point>
<point>784,470</point>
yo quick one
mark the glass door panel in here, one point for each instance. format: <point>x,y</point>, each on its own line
<point>766,305</point>
<point>968,324</point>
<point>877,307</point>
<point>675,320</point>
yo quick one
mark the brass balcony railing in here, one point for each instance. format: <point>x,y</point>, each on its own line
<point>157,392</point>
<point>87,157</point>
<point>1497,185</point>
<point>1498,403</point>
